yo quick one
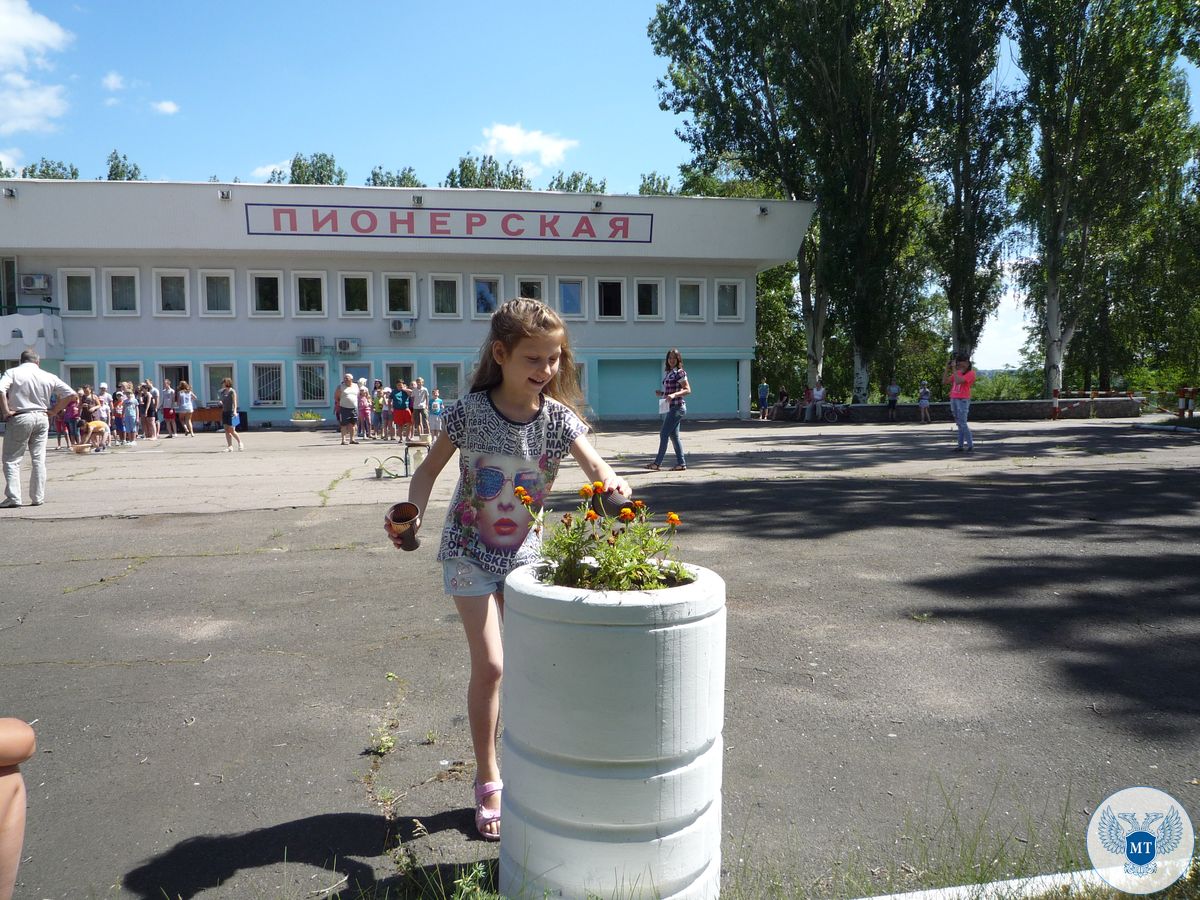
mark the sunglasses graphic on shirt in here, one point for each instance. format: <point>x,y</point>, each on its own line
<point>490,480</point>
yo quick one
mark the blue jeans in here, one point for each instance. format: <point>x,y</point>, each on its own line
<point>670,430</point>
<point>959,407</point>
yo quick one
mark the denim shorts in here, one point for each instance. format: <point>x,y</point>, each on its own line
<point>463,578</point>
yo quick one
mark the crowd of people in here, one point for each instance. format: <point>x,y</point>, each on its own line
<point>99,420</point>
<point>409,412</point>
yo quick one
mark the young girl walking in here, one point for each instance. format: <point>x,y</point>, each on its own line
<point>513,428</point>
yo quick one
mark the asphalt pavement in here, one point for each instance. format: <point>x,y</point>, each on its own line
<point>922,645</point>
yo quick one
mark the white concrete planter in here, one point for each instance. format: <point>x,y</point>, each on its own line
<point>307,424</point>
<point>614,704</point>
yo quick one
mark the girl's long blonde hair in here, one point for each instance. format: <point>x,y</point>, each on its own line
<point>524,318</point>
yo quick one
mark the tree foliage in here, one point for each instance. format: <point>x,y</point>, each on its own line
<point>50,168</point>
<point>577,183</point>
<point>485,173</point>
<point>320,168</point>
<point>406,177</point>
<point>121,169</point>
<point>654,184</point>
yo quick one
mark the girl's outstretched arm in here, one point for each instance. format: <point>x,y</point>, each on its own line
<point>439,454</point>
<point>596,469</point>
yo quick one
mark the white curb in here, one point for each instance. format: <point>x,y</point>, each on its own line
<point>1006,890</point>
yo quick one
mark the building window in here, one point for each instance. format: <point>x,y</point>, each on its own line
<point>400,372</point>
<point>400,294</point>
<point>444,294</point>
<point>216,291</point>
<point>214,375</point>
<point>356,294</point>
<point>649,292</point>
<point>79,288</point>
<point>309,288</point>
<point>610,298</point>
<point>265,293</point>
<point>77,375</point>
<point>486,291</point>
<point>267,379</point>
<point>447,378</point>
<point>121,292</point>
<point>312,384</point>
<point>690,300</point>
<point>729,301</point>
<point>572,292</point>
<point>531,287</point>
<point>122,372</point>
<point>170,292</point>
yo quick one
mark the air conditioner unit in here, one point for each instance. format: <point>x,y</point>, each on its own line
<point>347,345</point>
<point>310,346</point>
<point>402,326</point>
<point>35,282</point>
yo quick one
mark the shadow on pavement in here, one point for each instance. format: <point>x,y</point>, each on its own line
<point>335,842</point>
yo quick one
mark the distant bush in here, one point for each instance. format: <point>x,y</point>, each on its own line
<point>1008,384</point>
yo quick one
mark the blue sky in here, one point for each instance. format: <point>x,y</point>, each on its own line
<point>192,90</point>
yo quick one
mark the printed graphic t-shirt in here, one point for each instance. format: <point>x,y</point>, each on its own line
<point>486,522</point>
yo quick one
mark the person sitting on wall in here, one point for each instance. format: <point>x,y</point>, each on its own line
<point>781,404</point>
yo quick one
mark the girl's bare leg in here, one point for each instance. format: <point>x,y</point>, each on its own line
<point>481,617</point>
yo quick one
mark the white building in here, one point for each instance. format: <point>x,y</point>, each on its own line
<point>284,287</point>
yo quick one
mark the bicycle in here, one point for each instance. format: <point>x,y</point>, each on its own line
<point>837,412</point>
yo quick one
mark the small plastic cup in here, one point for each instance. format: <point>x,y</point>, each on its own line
<point>402,520</point>
<point>610,503</point>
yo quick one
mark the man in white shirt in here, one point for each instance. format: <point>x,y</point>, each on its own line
<point>817,408</point>
<point>26,411</point>
<point>347,407</point>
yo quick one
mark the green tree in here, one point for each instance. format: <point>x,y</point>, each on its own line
<point>406,177</point>
<point>972,138</point>
<point>50,168</point>
<point>6,172</point>
<point>577,183</point>
<point>485,172</point>
<point>653,183</point>
<point>121,169</point>
<point>320,168</point>
<point>1094,69</point>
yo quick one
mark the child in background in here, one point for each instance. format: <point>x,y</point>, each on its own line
<point>377,409</point>
<point>131,417</point>
<point>923,402</point>
<point>436,406</point>
<point>118,416</point>
<point>401,399</point>
<point>511,431</point>
<point>364,409</point>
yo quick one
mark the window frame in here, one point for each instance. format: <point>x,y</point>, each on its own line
<point>156,282</point>
<point>435,277</point>
<point>76,272</point>
<point>297,365</point>
<point>387,370</point>
<point>255,401</point>
<point>202,299</point>
<point>499,297</point>
<point>321,276</point>
<point>205,368</point>
<point>702,284</point>
<point>252,295</point>
<point>543,282</point>
<point>343,313</point>
<point>661,284</point>
<point>559,281</point>
<point>447,364</point>
<point>69,367</point>
<point>740,284</point>
<point>624,283</point>
<point>411,278</point>
<point>112,381</point>
<point>106,280</point>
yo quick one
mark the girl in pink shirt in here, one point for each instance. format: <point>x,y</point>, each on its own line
<point>960,376</point>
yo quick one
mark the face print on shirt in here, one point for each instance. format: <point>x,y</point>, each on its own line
<point>490,507</point>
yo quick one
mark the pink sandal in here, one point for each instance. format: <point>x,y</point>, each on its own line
<point>483,815</point>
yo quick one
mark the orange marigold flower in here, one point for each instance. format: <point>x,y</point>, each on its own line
<point>672,519</point>
<point>586,491</point>
<point>598,485</point>
<point>592,515</point>
<point>520,491</point>
<point>626,515</point>
<point>639,504</point>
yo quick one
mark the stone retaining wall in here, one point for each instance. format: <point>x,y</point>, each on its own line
<point>1006,410</point>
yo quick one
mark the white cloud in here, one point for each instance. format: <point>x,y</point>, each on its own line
<point>26,106</point>
<point>513,142</point>
<point>265,171</point>
<point>113,81</point>
<point>28,36</point>
<point>166,107</point>
<point>111,101</point>
<point>10,158</point>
